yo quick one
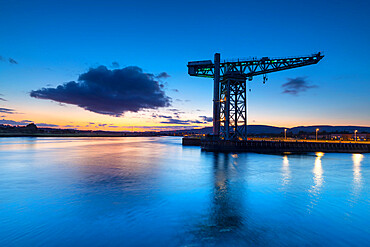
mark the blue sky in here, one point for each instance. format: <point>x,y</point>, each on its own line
<point>56,41</point>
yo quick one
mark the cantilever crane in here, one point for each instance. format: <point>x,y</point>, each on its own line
<point>229,94</point>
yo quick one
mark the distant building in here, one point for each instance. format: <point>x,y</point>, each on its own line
<point>350,137</point>
<point>341,137</point>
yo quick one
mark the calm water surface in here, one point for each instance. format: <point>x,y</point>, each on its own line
<point>154,192</point>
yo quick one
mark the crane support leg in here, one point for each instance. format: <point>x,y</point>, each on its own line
<point>216,96</point>
<point>233,110</point>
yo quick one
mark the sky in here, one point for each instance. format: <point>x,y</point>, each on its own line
<point>121,65</point>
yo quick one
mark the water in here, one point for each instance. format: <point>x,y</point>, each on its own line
<point>154,192</point>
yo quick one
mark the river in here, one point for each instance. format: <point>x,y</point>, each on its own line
<point>151,191</point>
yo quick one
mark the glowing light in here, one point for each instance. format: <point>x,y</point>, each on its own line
<point>319,154</point>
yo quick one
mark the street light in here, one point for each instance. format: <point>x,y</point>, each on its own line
<point>355,135</point>
<point>285,133</point>
<point>317,130</point>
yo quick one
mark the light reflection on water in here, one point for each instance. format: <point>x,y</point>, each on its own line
<point>318,174</point>
<point>153,191</point>
<point>357,178</point>
<point>285,170</point>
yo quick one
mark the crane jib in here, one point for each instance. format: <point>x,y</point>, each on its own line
<point>253,67</point>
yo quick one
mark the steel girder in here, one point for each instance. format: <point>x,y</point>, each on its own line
<point>233,108</point>
<point>252,67</point>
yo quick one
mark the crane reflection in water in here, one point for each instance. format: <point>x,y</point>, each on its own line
<point>227,218</point>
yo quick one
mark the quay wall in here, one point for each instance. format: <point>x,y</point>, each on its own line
<point>283,147</point>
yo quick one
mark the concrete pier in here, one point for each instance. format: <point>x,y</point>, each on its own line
<point>278,146</point>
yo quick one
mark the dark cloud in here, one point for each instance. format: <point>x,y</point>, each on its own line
<point>110,92</point>
<point>296,86</point>
<point>163,75</point>
<point>7,110</point>
<point>11,60</point>
<point>102,125</point>
<point>113,126</point>
<point>91,123</point>
<point>206,119</point>
<point>115,64</point>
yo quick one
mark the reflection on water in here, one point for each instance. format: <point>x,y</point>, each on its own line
<point>154,192</point>
<point>357,179</point>
<point>285,171</point>
<point>225,214</point>
<point>317,179</point>
<point>318,172</point>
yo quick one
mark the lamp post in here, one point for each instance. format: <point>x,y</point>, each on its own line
<point>317,130</point>
<point>355,135</point>
<point>285,133</point>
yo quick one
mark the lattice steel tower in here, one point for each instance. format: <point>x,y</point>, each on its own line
<point>230,87</point>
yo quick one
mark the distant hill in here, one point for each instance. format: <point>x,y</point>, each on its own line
<point>264,129</point>
<point>329,128</point>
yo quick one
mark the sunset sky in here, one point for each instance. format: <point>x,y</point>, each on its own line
<point>121,65</point>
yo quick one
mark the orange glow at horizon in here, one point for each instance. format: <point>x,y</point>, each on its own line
<point>77,118</point>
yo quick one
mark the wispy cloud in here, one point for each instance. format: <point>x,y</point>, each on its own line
<point>296,86</point>
<point>7,110</point>
<point>25,122</point>
<point>176,121</point>
<point>115,64</point>
<point>171,120</point>
<point>206,119</point>
<point>2,99</point>
<point>10,60</point>
<point>163,75</point>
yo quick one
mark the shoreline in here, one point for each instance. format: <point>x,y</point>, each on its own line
<point>2,135</point>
